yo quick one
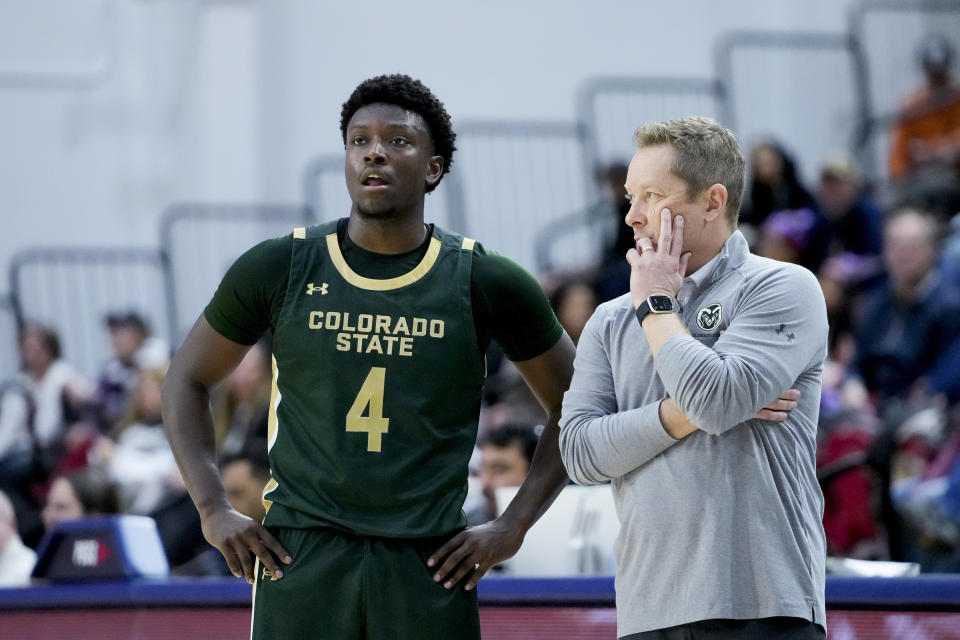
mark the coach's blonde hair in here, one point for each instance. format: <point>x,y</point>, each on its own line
<point>704,153</point>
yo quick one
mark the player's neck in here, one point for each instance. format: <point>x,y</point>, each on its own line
<point>388,235</point>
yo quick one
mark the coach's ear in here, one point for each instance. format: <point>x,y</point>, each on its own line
<point>716,196</point>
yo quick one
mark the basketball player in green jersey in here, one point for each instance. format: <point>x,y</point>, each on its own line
<point>380,325</point>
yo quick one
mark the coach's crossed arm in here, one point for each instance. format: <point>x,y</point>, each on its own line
<point>779,332</point>
<point>599,443</point>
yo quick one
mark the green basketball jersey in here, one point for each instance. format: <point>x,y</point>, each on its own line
<point>376,392</point>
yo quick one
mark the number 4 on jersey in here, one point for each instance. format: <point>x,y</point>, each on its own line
<point>373,424</point>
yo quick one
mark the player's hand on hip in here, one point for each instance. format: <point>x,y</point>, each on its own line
<point>475,550</point>
<point>239,539</point>
<point>660,270</point>
<point>779,409</point>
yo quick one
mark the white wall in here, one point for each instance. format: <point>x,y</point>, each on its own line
<point>167,100</point>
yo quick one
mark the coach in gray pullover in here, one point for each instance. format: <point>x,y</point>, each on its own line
<point>720,510</point>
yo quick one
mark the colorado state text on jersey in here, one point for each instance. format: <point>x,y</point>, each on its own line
<point>380,334</point>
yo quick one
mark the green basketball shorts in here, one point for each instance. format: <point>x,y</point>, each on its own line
<point>348,587</point>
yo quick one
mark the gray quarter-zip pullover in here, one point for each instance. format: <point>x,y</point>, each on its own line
<point>725,523</point>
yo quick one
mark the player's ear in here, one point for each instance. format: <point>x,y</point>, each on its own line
<point>434,170</point>
<point>716,195</point>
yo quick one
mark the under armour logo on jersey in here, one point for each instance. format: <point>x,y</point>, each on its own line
<point>782,331</point>
<point>266,575</point>
<point>322,289</point>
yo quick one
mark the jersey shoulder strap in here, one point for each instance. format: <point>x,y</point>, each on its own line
<point>315,231</point>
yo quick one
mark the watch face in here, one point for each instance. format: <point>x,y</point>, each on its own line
<point>660,303</point>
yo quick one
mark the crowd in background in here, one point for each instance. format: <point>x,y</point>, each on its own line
<point>72,447</point>
<point>889,442</point>
<point>888,260</point>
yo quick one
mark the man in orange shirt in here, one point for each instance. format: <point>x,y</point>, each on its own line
<point>927,130</point>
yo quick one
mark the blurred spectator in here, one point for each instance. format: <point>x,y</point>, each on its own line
<point>507,398</point>
<point>574,302</point>
<point>854,221</point>
<point>613,275</point>
<point>924,451</point>
<point>189,554</point>
<point>949,502</point>
<point>928,127</point>
<point>609,273</point>
<point>506,453</point>
<point>852,491</point>
<point>242,402</point>
<point>133,349</point>
<point>244,477</point>
<point>774,185</point>
<point>910,321</point>
<point>944,377</point>
<point>843,278</point>
<point>785,235</point>
<point>16,418</point>
<point>16,559</point>
<point>20,467</point>
<point>610,182</point>
<point>35,407</point>
<point>141,462</point>
<point>53,390</point>
<point>80,494</point>
<point>950,256</point>
<point>799,236</point>
<point>847,424</point>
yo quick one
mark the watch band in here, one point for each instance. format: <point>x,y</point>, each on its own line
<point>655,304</point>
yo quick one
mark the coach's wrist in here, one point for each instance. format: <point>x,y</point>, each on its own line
<point>640,297</point>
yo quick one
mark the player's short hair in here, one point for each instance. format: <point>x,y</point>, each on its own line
<point>513,434</point>
<point>704,153</point>
<point>411,94</point>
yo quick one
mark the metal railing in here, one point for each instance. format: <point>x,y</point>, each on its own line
<point>324,191</point>
<point>91,75</point>
<point>518,178</point>
<point>201,241</point>
<point>612,107</point>
<point>888,34</point>
<point>775,83</point>
<point>73,289</point>
<point>9,351</point>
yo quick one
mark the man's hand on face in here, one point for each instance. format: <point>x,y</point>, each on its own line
<point>660,270</point>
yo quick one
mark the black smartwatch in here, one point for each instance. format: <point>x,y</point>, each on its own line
<point>654,304</point>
